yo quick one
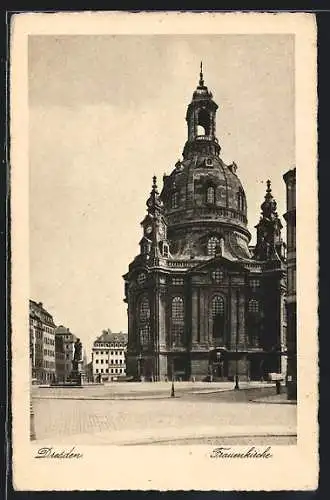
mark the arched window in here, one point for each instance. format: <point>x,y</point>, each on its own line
<point>218,318</point>
<point>144,321</point>
<point>204,122</point>
<point>200,130</point>
<point>210,195</point>
<point>177,321</point>
<point>145,335</point>
<point>253,306</point>
<point>145,247</point>
<point>240,200</point>
<point>212,246</point>
<point>253,322</point>
<point>175,200</point>
<point>218,306</point>
<point>144,309</point>
<point>141,279</point>
<point>165,250</point>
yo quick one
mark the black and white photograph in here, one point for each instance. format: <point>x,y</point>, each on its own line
<point>157,271</point>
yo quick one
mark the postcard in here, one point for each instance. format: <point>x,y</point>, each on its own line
<point>163,183</point>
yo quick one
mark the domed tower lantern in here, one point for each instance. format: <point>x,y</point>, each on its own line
<point>201,120</point>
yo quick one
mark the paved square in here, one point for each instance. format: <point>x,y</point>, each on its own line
<point>146,414</point>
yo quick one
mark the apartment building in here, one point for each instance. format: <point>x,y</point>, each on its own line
<point>109,356</point>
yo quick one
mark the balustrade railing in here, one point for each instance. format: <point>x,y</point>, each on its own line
<point>210,211</point>
<point>180,263</point>
<point>205,138</point>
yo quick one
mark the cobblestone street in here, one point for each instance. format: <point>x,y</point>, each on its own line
<point>124,414</point>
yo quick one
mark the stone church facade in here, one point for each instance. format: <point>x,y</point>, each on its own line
<point>202,304</point>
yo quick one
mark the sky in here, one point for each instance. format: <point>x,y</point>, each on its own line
<point>106,113</point>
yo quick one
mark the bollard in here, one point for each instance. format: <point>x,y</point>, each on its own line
<point>32,424</point>
<point>278,387</point>
<point>172,390</point>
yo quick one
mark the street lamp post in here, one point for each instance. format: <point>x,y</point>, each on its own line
<point>139,367</point>
<point>172,388</point>
<point>236,347</point>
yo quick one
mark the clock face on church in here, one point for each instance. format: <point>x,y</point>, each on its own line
<point>148,229</point>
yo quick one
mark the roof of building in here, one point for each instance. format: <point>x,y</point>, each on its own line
<point>39,307</point>
<point>62,330</point>
<point>109,336</point>
<point>33,315</point>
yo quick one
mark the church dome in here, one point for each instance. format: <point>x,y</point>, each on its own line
<point>204,196</point>
<point>204,188</point>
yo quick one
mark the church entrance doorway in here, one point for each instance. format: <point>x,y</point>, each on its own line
<point>257,368</point>
<point>178,368</point>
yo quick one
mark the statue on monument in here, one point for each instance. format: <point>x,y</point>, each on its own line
<point>77,351</point>
<point>77,357</point>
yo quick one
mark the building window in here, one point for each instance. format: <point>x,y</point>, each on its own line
<point>165,250</point>
<point>141,278</point>
<point>212,246</point>
<point>218,318</point>
<point>210,195</point>
<point>253,306</point>
<point>107,370</point>
<point>175,200</point>
<point>101,361</point>
<point>101,370</point>
<point>144,318</point>
<point>240,200</point>
<point>254,284</point>
<point>177,309</point>
<point>253,322</point>
<point>145,247</point>
<point>111,370</point>
<point>217,276</point>
<point>144,309</point>
<point>177,281</point>
<point>177,321</point>
<point>144,335</point>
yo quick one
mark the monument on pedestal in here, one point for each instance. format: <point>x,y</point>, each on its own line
<point>77,372</point>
